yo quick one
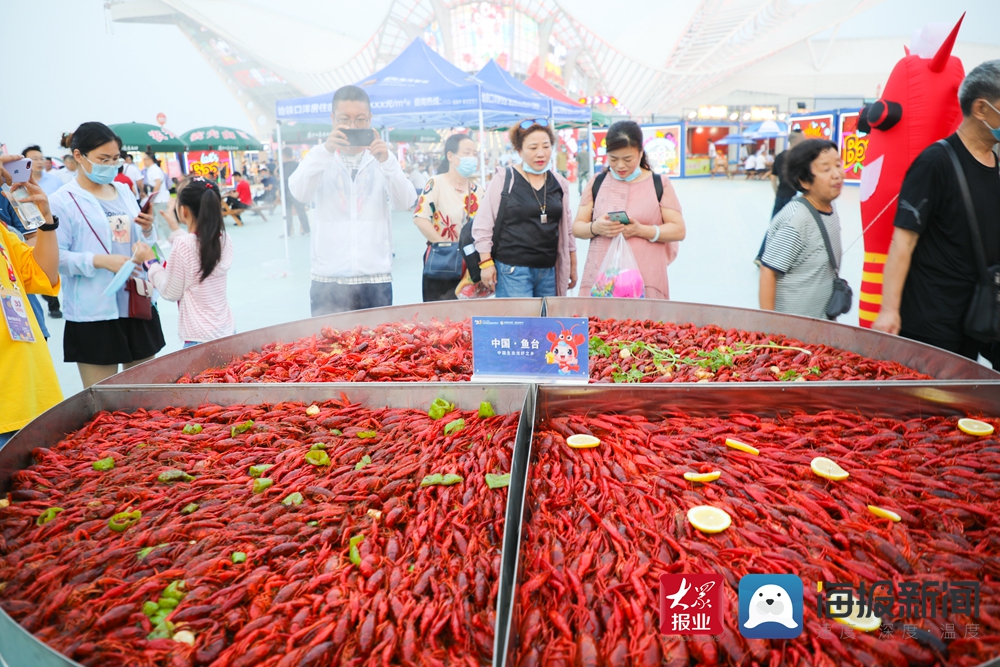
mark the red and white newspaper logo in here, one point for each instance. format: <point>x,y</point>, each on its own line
<point>691,604</point>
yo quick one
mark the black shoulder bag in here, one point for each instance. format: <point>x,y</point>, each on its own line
<point>840,300</point>
<point>466,242</point>
<point>982,319</point>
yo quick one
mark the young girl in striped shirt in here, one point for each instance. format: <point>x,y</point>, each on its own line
<point>195,275</point>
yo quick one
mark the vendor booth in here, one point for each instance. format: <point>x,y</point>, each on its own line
<point>164,145</point>
<point>841,127</point>
<point>662,144</point>
<point>215,152</point>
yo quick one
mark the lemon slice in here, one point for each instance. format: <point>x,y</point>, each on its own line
<point>828,469</point>
<point>582,441</point>
<point>974,427</point>
<point>736,444</point>
<point>709,519</point>
<point>884,514</point>
<point>703,477</point>
<point>856,620</point>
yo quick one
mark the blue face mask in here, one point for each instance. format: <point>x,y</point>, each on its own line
<point>102,174</point>
<point>631,177</point>
<point>467,166</point>
<point>995,131</point>
<point>531,170</point>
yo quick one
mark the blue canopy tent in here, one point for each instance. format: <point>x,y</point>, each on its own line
<point>734,139</point>
<point>768,129</point>
<point>420,89</point>
<point>498,78</point>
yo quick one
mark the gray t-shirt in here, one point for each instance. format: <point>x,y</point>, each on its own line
<point>794,249</point>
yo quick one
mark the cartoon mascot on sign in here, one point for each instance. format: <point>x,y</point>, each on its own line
<point>918,107</point>
<point>564,350</point>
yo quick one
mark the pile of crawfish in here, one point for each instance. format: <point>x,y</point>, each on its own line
<point>648,351</point>
<point>606,522</point>
<point>262,536</point>
<point>620,351</point>
<point>400,351</point>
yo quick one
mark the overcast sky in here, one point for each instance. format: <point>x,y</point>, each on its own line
<point>75,66</point>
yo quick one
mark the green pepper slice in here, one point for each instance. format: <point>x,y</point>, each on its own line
<point>175,590</point>
<point>317,445</point>
<point>191,429</point>
<point>365,460</point>
<point>122,521</point>
<point>241,428</point>
<point>47,515</point>
<point>441,480</point>
<point>259,485</point>
<point>439,408</point>
<point>454,426</point>
<point>149,608</point>
<point>104,465</point>
<point>497,481</point>
<point>238,557</point>
<point>174,475</point>
<point>336,431</point>
<point>257,471</point>
<point>486,410</point>
<point>355,555</point>
<point>367,435</point>
<point>318,458</point>
<point>190,508</point>
<point>293,499</point>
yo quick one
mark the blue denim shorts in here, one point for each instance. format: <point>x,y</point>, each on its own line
<point>524,282</point>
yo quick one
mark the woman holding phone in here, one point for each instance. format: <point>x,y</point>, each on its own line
<point>100,222</point>
<point>527,250</point>
<point>449,201</point>
<point>627,203</point>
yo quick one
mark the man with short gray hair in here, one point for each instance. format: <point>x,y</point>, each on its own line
<point>932,271</point>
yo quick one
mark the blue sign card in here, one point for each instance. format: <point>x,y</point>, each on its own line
<point>535,349</point>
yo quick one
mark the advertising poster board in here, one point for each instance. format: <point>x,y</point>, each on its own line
<point>213,165</point>
<point>600,148</point>
<point>853,146</point>
<point>815,126</point>
<point>662,144</point>
<point>535,349</point>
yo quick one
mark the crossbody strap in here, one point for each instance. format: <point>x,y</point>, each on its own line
<point>99,240</point>
<point>963,186</point>
<point>508,177</point>
<point>822,230</point>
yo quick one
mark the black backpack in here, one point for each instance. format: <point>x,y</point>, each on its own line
<point>465,241</point>
<point>657,184</point>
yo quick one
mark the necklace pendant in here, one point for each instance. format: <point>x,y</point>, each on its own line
<point>545,218</point>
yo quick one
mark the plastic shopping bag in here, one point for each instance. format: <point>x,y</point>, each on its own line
<point>619,274</point>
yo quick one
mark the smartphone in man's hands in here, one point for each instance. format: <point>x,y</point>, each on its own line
<point>359,136</point>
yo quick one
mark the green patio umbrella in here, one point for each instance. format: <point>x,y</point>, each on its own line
<point>219,138</point>
<point>415,136</point>
<point>143,138</point>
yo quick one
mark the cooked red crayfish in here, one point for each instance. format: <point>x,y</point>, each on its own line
<point>401,352</point>
<point>606,522</point>
<point>289,538</point>
<point>620,351</point>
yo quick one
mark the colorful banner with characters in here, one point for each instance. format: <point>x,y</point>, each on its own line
<point>853,146</point>
<point>213,165</point>
<point>662,144</point>
<point>535,349</point>
<point>600,147</point>
<point>816,126</point>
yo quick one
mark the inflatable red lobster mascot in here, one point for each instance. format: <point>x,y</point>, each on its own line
<point>918,106</point>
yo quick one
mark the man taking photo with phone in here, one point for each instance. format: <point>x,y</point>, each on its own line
<point>355,183</point>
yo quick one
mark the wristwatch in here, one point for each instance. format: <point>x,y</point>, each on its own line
<point>50,226</point>
<point>148,263</point>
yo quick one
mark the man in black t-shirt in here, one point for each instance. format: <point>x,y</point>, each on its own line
<point>931,271</point>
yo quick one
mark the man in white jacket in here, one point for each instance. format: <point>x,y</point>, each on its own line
<point>355,189</point>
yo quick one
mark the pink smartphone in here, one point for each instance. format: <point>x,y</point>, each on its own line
<point>19,170</point>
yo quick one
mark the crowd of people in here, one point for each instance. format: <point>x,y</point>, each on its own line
<point>514,236</point>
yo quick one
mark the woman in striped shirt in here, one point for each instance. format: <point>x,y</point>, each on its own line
<point>195,276</point>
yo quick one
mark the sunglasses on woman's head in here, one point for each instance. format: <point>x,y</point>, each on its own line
<point>540,122</point>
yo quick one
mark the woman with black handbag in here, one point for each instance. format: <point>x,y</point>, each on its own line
<point>100,222</point>
<point>448,203</point>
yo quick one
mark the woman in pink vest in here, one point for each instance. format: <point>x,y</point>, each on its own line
<point>655,223</point>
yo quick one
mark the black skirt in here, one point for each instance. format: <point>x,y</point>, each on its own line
<point>112,342</point>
